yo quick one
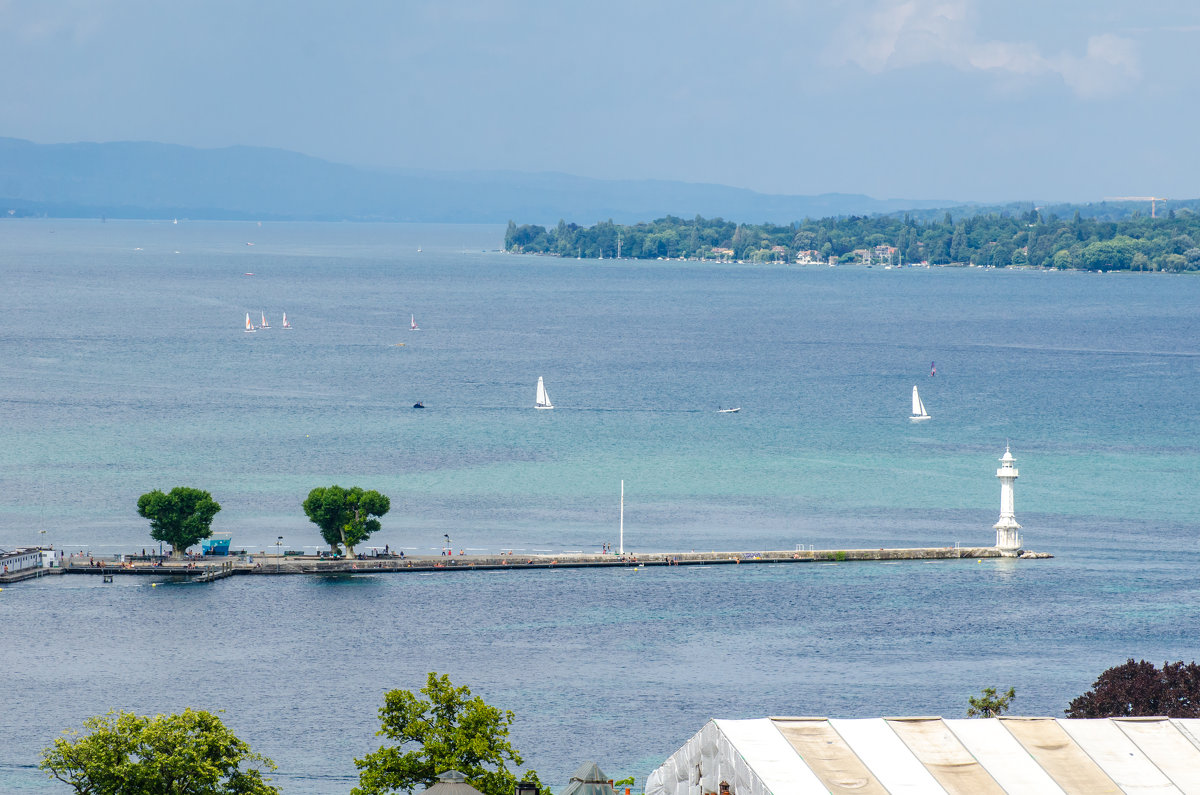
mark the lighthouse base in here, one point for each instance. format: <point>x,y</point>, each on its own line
<point>1008,537</point>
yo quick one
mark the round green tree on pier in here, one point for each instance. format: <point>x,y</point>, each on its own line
<point>181,518</point>
<point>347,517</point>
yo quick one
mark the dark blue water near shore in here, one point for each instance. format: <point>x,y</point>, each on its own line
<point>618,666</point>
<point>125,368</point>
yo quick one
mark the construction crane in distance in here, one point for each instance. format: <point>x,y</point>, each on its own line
<point>1154,200</point>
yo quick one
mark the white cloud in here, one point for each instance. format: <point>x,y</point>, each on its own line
<point>1110,65</point>
<point>34,23</point>
<point>893,34</point>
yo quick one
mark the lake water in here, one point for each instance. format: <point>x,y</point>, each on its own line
<point>125,368</point>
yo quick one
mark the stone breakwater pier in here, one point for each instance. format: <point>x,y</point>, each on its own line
<point>210,569</point>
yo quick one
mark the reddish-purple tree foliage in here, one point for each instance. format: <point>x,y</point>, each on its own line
<point>1138,689</point>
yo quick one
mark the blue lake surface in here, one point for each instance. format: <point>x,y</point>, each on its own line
<point>124,368</point>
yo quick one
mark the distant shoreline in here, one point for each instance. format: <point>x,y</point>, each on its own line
<point>854,266</point>
<point>1028,237</point>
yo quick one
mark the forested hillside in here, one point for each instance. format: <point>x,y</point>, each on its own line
<point>998,239</point>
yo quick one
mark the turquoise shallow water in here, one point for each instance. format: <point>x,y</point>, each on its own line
<point>125,368</point>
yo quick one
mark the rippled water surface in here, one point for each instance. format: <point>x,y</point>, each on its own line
<point>125,368</point>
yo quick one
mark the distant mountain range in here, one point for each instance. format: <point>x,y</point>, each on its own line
<point>151,180</point>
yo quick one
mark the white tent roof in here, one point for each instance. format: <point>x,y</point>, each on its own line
<point>876,756</point>
<point>1118,756</point>
<point>1005,759</point>
<point>1166,744</point>
<point>886,755</point>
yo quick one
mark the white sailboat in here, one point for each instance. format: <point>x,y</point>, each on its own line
<point>264,321</point>
<point>286,324</point>
<point>413,323</point>
<point>249,325</point>
<point>543,400</point>
<point>918,409</point>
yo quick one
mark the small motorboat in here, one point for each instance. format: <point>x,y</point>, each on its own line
<point>418,405</point>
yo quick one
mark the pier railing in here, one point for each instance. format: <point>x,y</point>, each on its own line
<point>208,570</point>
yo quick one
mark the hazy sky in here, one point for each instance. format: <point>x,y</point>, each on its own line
<point>947,99</point>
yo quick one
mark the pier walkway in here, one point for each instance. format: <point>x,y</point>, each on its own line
<point>202,570</point>
<point>28,574</point>
<point>210,569</point>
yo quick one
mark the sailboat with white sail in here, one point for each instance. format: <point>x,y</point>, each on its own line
<point>264,323</point>
<point>286,324</point>
<point>249,326</point>
<point>918,408</point>
<point>413,323</point>
<point>543,400</point>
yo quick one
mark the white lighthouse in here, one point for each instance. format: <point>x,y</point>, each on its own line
<point>1008,537</point>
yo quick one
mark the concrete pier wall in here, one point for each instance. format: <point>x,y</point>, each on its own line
<point>28,574</point>
<point>271,565</point>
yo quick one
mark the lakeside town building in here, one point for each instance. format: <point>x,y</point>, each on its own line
<point>26,558</point>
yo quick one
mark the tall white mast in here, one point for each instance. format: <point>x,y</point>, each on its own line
<point>621,546</point>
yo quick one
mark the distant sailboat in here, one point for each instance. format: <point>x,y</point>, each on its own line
<point>286,324</point>
<point>543,400</point>
<point>918,408</point>
<point>264,321</point>
<point>413,323</point>
<point>249,325</point>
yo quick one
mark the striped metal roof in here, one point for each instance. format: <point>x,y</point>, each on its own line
<point>875,756</point>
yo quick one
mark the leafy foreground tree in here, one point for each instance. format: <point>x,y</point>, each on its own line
<point>181,518</point>
<point>346,516</point>
<point>180,754</point>
<point>450,731</point>
<point>990,705</point>
<point>1138,689</point>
